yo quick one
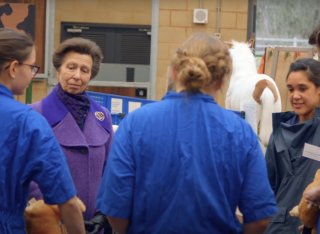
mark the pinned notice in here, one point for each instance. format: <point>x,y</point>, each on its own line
<point>116,105</point>
<point>133,105</point>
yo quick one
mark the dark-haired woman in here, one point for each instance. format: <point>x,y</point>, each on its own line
<point>290,172</point>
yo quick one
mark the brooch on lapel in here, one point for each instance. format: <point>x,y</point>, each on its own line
<point>99,115</point>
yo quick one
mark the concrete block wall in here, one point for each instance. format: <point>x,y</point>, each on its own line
<point>102,11</point>
<point>176,24</point>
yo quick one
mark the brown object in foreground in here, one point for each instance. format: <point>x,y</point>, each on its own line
<point>307,212</point>
<point>41,218</point>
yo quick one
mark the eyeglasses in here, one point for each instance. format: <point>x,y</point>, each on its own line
<point>34,68</point>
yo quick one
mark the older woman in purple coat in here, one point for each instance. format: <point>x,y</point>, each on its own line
<point>82,127</point>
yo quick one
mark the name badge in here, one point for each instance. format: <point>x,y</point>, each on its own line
<point>311,151</point>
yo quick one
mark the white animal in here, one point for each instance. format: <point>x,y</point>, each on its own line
<point>255,94</point>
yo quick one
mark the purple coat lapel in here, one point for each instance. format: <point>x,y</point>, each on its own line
<point>69,134</point>
<point>54,111</point>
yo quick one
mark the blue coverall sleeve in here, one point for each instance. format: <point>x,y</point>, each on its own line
<point>257,198</point>
<point>116,190</point>
<point>46,161</point>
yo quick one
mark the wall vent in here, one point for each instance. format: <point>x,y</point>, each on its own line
<point>200,16</point>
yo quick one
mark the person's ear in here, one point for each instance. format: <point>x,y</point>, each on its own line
<point>174,74</point>
<point>169,81</point>
<point>318,39</point>
<point>12,69</point>
<point>57,74</point>
<point>218,84</point>
<point>318,90</point>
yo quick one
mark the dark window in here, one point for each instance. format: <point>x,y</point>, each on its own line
<point>120,44</point>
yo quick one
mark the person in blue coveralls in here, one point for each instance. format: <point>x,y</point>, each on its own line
<point>28,148</point>
<point>184,164</point>
<point>289,172</point>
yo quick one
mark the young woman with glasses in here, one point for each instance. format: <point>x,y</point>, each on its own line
<point>28,148</point>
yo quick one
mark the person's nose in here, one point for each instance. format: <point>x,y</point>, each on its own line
<point>296,95</point>
<point>77,74</point>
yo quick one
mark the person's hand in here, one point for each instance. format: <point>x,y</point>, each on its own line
<point>95,225</point>
<point>300,229</point>
<point>304,230</point>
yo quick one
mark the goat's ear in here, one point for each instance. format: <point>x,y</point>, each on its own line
<point>229,44</point>
<point>251,43</point>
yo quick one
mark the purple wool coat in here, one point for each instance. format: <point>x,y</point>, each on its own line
<point>86,151</point>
